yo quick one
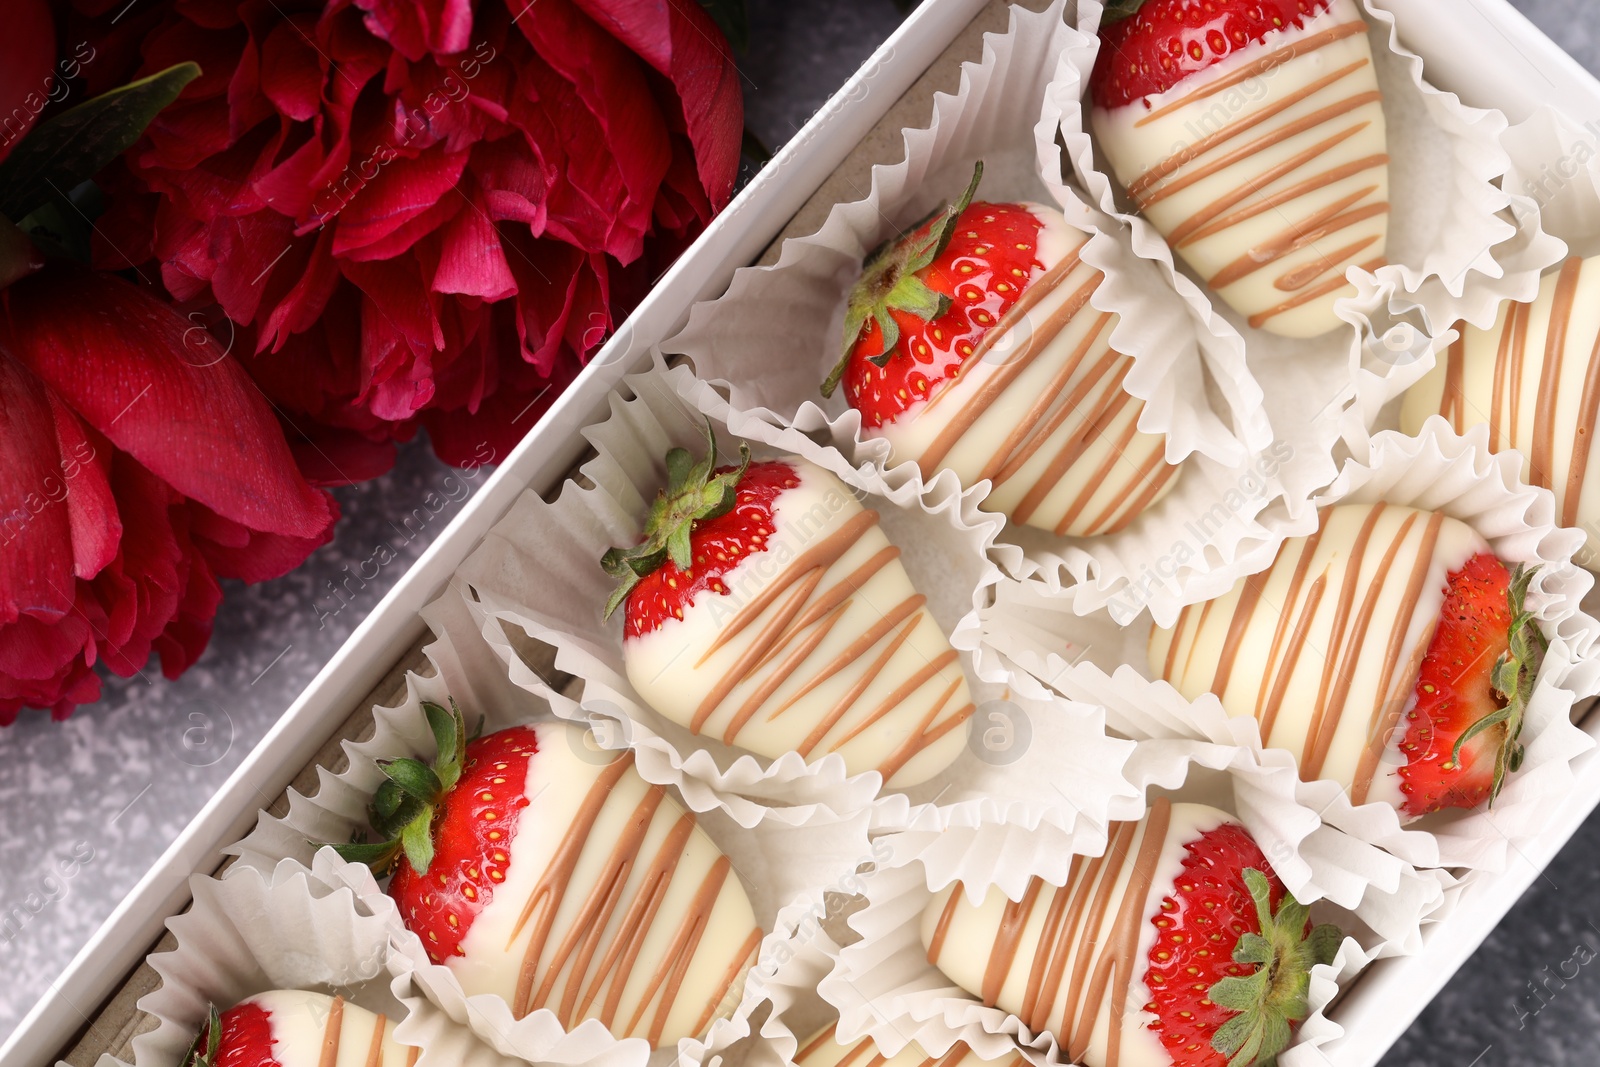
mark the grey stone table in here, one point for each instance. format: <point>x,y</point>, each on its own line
<point>103,794</point>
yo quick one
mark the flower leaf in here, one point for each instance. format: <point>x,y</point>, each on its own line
<point>74,145</point>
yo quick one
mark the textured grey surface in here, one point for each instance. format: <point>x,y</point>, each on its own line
<point>119,781</point>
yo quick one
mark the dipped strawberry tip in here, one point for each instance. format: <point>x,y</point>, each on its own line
<point>1270,1002</point>
<point>697,491</point>
<point>403,809</point>
<point>1512,679</point>
<point>891,282</point>
<point>205,1049</point>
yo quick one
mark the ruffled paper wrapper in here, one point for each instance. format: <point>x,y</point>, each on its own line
<point>780,863</point>
<point>283,928</point>
<point>1092,659</point>
<point>1553,183</point>
<point>884,985</point>
<point>537,577</point>
<point>764,347</point>
<point>1453,231</point>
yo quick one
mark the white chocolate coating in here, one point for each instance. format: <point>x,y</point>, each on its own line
<point>305,1025</point>
<point>1041,413</point>
<point>997,950</point>
<point>1324,647</point>
<point>1267,172</point>
<point>1534,378</point>
<point>821,1050</point>
<point>661,955</point>
<point>820,645</point>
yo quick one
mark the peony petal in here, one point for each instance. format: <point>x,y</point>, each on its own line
<point>416,27</point>
<point>35,528</point>
<point>27,69</point>
<point>85,459</point>
<point>678,39</point>
<point>396,191</point>
<point>117,356</point>
<point>292,68</point>
<point>471,260</point>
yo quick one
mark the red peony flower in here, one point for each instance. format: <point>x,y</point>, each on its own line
<point>423,212</point>
<point>139,467</point>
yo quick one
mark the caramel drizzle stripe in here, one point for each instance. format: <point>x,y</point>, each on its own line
<point>1555,348</point>
<point>1093,483</point>
<point>1082,998</point>
<point>624,952</point>
<point>941,929</point>
<point>1588,416</point>
<point>1453,403</point>
<point>1301,567</point>
<point>1177,637</point>
<point>822,1039</point>
<point>926,672</point>
<point>1243,611</point>
<point>412,1054</point>
<point>782,673</point>
<point>1001,379</point>
<point>1330,220</point>
<point>1045,971</point>
<point>1055,973</point>
<point>580,946</point>
<point>1201,225</point>
<point>1077,443</point>
<point>745,957</point>
<point>1291,659</point>
<point>857,578</point>
<point>846,702</point>
<point>1502,359</point>
<point>1023,433</point>
<point>1194,642</point>
<point>332,1031</point>
<point>926,733</point>
<point>1030,298</point>
<point>957,1052</point>
<point>582,941</point>
<point>1007,939</point>
<point>1519,357</point>
<point>375,1048</point>
<point>1341,619</point>
<point>1331,286</point>
<point>1065,411</point>
<point>861,1047</point>
<point>1300,277</point>
<point>1193,152</point>
<point>1387,712</point>
<point>669,976</point>
<point>1313,43</point>
<point>1350,653</point>
<point>1150,190</point>
<point>1125,933</point>
<point>1154,474</point>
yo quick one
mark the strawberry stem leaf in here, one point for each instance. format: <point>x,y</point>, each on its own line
<point>1117,10</point>
<point>1513,678</point>
<point>695,492</point>
<point>890,282</point>
<point>1272,999</point>
<point>210,1036</point>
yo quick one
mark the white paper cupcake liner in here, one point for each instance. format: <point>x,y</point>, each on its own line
<point>883,984</point>
<point>1438,470</point>
<point>766,344</point>
<point>284,928</point>
<point>537,571</point>
<point>777,865</point>
<point>1452,230</point>
<point>1553,183</point>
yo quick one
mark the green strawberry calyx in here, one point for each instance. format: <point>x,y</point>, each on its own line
<point>1513,680</point>
<point>404,805</point>
<point>1276,997</point>
<point>695,492</point>
<point>207,1044</point>
<point>1117,10</point>
<point>891,281</point>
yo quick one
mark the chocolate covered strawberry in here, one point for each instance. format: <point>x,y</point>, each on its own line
<point>766,608</point>
<point>293,1028</point>
<point>1179,947</point>
<point>1251,134</point>
<point>544,874</point>
<point>1533,378</point>
<point>970,345</point>
<point>1390,651</point>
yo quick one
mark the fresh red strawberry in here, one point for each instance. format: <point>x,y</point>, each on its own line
<point>1213,1006</point>
<point>925,302</point>
<point>1462,733</point>
<point>448,827</point>
<point>1148,46</point>
<point>699,528</point>
<point>238,1037</point>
